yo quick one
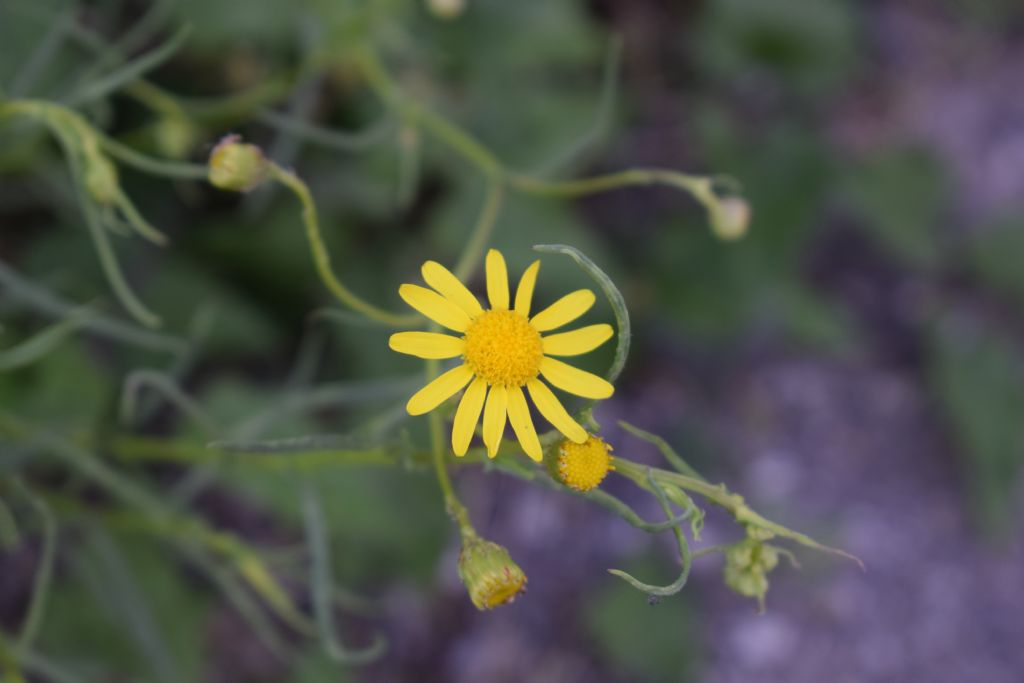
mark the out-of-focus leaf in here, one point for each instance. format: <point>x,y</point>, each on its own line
<point>978,374</point>
<point>900,194</point>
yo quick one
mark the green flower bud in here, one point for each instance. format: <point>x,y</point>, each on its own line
<point>730,218</point>
<point>747,564</point>
<point>489,574</point>
<point>237,166</point>
<point>101,181</point>
<point>446,9</point>
<point>174,136</point>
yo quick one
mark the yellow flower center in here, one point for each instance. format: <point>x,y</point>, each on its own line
<point>503,348</point>
<point>583,466</point>
<point>501,589</point>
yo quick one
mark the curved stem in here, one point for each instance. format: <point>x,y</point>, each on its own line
<point>322,258</point>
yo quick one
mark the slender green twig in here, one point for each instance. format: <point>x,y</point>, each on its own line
<point>31,294</point>
<point>684,552</point>
<point>127,73</point>
<point>44,574</point>
<point>718,494</point>
<point>615,299</point>
<point>455,508</point>
<point>170,390</point>
<point>322,258</point>
<point>39,345</point>
<point>481,233</point>
<point>666,450</point>
<point>321,591</point>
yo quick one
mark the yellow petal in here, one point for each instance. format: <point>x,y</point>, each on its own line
<point>442,279</point>
<point>426,344</point>
<point>524,292</point>
<point>434,306</point>
<point>553,411</point>
<point>467,415</point>
<point>439,390</point>
<point>494,418</point>
<point>497,280</point>
<point>565,310</point>
<point>522,423</point>
<point>574,380</point>
<point>577,341</point>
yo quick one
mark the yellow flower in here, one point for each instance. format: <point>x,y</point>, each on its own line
<point>583,466</point>
<point>502,351</point>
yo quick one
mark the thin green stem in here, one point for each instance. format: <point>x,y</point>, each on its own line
<point>44,575</point>
<point>454,506</point>
<point>481,234</point>
<point>720,495</point>
<point>321,585</point>
<point>322,258</point>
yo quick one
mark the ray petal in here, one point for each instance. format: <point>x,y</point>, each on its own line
<point>497,280</point>
<point>522,423</point>
<point>467,416</point>
<point>579,341</point>
<point>434,306</point>
<point>427,344</point>
<point>574,380</point>
<point>442,279</point>
<point>494,418</point>
<point>439,390</point>
<point>554,412</point>
<point>565,310</point>
<point>524,292</point>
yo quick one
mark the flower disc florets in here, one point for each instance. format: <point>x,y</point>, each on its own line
<point>583,466</point>
<point>503,348</point>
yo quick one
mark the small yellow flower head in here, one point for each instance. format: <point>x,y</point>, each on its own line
<point>489,574</point>
<point>730,218</point>
<point>747,565</point>
<point>446,9</point>
<point>583,466</point>
<point>237,166</point>
<point>506,353</point>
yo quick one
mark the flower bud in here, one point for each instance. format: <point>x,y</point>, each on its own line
<point>747,564</point>
<point>237,166</point>
<point>583,466</point>
<point>730,218</point>
<point>174,136</point>
<point>101,180</point>
<point>446,9</point>
<point>489,574</point>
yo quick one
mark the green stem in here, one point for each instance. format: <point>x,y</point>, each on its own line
<point>481,234</point>
<point>322,258</point>
<point>454,506</point>
<point>720,495</point>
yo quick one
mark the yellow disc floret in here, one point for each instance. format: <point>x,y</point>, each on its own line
<point>503,348</point>
<point>583,466</point>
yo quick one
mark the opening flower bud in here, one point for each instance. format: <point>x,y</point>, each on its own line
<point>583,466</point>
<point>489,574</point>
<point>730,218</point>
<point>237,166</point>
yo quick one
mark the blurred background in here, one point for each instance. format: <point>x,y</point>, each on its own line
<point>854,366</point>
